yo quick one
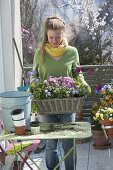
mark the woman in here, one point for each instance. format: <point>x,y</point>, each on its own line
<point>56,58</point>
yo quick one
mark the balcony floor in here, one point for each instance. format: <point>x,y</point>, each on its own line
<point>88,158</point>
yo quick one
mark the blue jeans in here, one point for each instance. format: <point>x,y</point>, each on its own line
<point>51,146</point>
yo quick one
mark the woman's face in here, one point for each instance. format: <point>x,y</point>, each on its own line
<point>55,37</point>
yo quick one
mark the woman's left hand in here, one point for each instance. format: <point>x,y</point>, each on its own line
<point>88,88</point>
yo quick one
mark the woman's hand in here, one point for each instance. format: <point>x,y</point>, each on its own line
<point>88,88</point>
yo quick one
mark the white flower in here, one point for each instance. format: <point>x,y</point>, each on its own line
<point>45,81</point>
<point>93,38</point>
<point>49,93</point>
<point>46,91</point>
<point>76,91</point>
<point>73,92</point>
<point>106,14</point>
<point>86,49</point>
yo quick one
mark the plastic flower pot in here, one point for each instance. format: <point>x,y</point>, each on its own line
<point>35,127</point>
<point>17,114</point>
<point>20,122</point>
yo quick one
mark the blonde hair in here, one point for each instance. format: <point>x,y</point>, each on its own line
<point>52,23</point>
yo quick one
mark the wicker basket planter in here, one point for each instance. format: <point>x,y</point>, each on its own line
<point>60,106</point>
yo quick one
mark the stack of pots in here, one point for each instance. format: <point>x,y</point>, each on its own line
<point>19,121</point>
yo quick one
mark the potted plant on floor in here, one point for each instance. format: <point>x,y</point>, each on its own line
<point>99,138</point>
<point>105,113</point>
<point>102,111</point>
<point>105,117</point>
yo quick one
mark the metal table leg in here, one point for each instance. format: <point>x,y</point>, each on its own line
<point>67,154</point>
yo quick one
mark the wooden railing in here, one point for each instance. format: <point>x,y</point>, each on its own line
<point>101,74</point>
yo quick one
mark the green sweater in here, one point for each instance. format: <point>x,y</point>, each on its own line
<point>65,66</point>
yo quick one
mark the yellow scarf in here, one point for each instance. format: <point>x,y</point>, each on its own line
<point>56,52</point>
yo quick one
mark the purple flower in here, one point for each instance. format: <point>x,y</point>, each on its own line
<point>29,73</point>
<point>63,85</point>
<point>98,87</point>
<point>78,70</point>
<point>67,82</point>
<point>90,72</point>
<point>34,72</point>
<point>27,81</point>
<point>35,80</point>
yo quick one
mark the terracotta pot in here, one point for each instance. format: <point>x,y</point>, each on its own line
<point>108,125</point>
<point>20,130</point>
<point>100,141</point>
<point>2,157</point>
<point>79,116</point>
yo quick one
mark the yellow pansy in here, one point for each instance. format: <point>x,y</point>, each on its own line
<point>101,116</point>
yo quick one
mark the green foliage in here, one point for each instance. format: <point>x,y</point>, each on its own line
<point>33,107</point>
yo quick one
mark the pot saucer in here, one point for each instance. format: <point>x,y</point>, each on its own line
<point>102,147</point>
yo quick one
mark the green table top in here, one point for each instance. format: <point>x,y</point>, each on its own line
<point>80,130</point>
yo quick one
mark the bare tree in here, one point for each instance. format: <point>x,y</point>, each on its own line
<point>32,14</point>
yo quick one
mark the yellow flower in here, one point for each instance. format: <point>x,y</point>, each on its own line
<point>100,107</point>
<point>103,91</point>
<point>97,115</point>
<point>107,97</point>
<point>94,118</point>
<point>93,112</point>
<point>101,116</point>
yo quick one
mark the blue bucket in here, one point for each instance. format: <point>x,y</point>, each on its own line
<point>12,100</point>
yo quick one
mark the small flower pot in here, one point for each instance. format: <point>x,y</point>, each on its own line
<point>108,125</point>
<point>20,122</point>
<point>79,116</point>
<point>17,114</point>
<point>35,127</point>
<point>99,139</point>
<point>20,130</point>
<point>2,157</point>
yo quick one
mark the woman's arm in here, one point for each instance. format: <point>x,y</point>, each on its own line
<point>35,65</point>
<point>79,75</point>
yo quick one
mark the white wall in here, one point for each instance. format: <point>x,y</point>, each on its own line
<point>7,48</point>
<point>10,27</point>
<point>1,61</point>
<point>16,22</point>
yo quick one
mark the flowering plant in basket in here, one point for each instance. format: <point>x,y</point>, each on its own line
<point>58,94</point>
<point>56,87</point>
